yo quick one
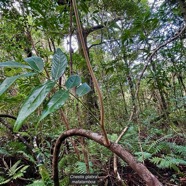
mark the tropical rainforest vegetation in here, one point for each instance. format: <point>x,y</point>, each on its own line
<point>93,86</point>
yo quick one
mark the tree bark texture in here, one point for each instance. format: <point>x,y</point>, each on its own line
<point>142,171</point>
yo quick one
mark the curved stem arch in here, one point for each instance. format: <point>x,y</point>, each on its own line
<point>141,170</point>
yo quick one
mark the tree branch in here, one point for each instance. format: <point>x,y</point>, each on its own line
<point>98,27</point>
<point>149,59</point>
<point>7,116</point>
<point>142,171</point>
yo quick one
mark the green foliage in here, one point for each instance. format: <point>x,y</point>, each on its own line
<point>45,175</point>
<point>73,81</point>
<point>59,64</point>
<point>10,80</point>
<point>67,163</point>
<point>80,167</point>
<point>7,83</point>
<point>39,93</point>
<point>168,162</point>
<point>163,154</point>
<point>4,180</point>
<point>14,172</point>
<point>13,64</point>
<point>12,148</point>
<point>36,63</point>
<point>83,89</point>
<point>4,152</point>
<point>113,137</point>
<point>32,102</point>
<point>157,146</point>
<point>38,183</point>
<point>143,156</point>
<point>56,102</point>
<point>129,32</point>
<point>65,181</point>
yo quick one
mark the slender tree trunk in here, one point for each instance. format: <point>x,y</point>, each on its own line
<point>124,100</point>
<point>157,82</point>
<point>180,80</point>
<point>182,4</point>
<point>131,86</point>
<point>83,142</point>
<point>90,98</point>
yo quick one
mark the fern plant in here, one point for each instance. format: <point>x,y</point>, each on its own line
<point>16,171</point>
<point>80,167</point>
<point>168,162</point>
<point>163,154</point>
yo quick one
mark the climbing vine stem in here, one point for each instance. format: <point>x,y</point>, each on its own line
<point>80,32</point>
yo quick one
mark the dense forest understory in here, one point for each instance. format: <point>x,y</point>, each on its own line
<point>93,87</point>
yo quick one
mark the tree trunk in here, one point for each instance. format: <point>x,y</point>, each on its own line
<point>90,98</point>
<point>182,5</point>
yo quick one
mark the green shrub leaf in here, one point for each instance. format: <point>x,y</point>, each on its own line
<point>13,64</point>
<point>7,83</point>
<point>83,89</point>
<point>10,80</point>
<point>32,103</point>
<point>57,101</point>
<point>59,64</point>
<point>35,62</point>
<point>73,81</point>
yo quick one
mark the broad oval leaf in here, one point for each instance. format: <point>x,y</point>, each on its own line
<point>59,64</point>
<point>83,89</point>
<point>10,80</point>
<point>32,102</point>
<point>13,64</point>
<point>35,62</point>
<point>56,102</point>
<point>73,81</point>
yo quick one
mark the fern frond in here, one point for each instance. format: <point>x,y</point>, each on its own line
<point>80,167</point>
<point>143,156</point>
<point>178,149</point>
<point>153,147</point>
<point>64,181</point>
<point>168,162</point>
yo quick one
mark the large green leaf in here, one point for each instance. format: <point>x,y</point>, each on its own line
<point>73,81</point>
<point>7,83</point>
<point>83,89</point>
<point>57,101</point>
<point>33,102</point>
<point>13,64</point>
<point>59,64</point>
<point>10,80</point>
<point>35,62</point>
